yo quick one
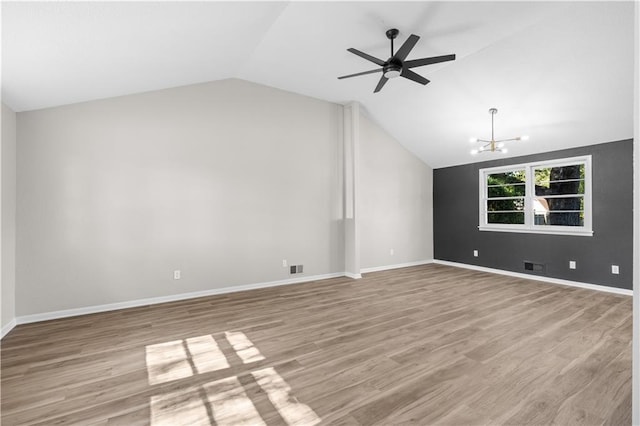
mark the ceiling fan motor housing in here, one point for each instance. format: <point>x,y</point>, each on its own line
<point>392,33</point>
<point>393,68</point>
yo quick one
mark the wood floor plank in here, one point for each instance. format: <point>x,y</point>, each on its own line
<point>423,345</point>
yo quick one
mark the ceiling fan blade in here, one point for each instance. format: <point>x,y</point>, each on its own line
<point>413,76</point>
<point>428,61</point>
<point>381,83</point>
<point>406,47</point>
<point>367,57</point>
<point>360,73</point>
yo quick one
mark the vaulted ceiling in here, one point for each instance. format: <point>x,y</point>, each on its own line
<point>561,72</point>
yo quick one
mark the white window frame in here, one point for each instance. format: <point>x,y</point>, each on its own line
<point>529,225</point>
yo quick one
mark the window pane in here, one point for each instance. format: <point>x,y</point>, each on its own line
<point>516,176</point>
<point>559,211</point>
<point>517,190</point>
<point>505,205</point>
<point>563,203</point>
<point>506,218</point>
<point>560,180</point>
<point>564,219</point>
<point>507,184</point>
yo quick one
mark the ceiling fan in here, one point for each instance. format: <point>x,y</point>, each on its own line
<point>396,65</point>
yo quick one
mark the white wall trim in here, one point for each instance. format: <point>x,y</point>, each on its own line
<point>396,266</point>
<point>7,328</point>
<point>26,319</point>
<point>538,278</point>
<point>45,316</point>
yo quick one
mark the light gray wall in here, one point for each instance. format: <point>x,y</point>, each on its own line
<point>8,215</point>
<point>395,200</point>
<point>221,180</point>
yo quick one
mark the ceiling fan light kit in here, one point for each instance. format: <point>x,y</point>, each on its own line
<point>397,65</point>
<point>494,145</point>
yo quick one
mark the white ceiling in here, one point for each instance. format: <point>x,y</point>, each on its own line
<point>561,72</point>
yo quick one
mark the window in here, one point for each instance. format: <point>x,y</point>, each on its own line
<point>551,197</point>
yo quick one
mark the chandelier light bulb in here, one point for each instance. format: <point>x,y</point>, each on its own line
<point>524,138</point>
<point>503,150</point>
<point>500,145</point>
<point>473,140</point>
<point>474,151</point>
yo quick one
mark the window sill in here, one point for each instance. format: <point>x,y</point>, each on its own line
<point>528,230</point>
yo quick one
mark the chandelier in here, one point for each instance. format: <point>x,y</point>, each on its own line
<point>494,145</point>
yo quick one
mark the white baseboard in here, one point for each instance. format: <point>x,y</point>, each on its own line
<point>7,328</point>
<point>26,319</point>
<point>538,278</point>
<point>396,266</point>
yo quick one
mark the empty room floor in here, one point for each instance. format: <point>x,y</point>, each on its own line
<point>427,345</point>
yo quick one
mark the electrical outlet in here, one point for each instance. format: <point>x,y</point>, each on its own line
<point>177,275</point>
<point>572,264</point>
<point>284,263</point>
<point>615,269</point>
<point>475,253</point>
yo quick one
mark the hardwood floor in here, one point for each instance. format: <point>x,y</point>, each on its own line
<point>423,345</point>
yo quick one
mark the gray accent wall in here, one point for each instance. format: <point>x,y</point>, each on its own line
<point>456,212</point>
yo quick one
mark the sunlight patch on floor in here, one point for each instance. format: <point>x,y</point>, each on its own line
<point>206,354</point>
<point>167,361</point>
<point>243,347</point>
<point>230,404</point>
<point>220,402</point>
<point>179,359</point>
<point>279,393</point>
<point>184,407</point>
